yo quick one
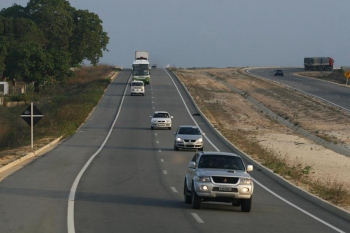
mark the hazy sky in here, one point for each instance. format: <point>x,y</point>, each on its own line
<point>221,33</point>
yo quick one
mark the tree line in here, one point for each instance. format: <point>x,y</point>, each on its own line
<point>42,41</point>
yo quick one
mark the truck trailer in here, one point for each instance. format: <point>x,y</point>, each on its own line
<point>318,63</point>
<point>141,55</point>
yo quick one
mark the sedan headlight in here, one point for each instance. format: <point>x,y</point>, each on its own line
<point>179,139</point>
<point>245,181</point>
<point>203,178</point>
<point>200,140</point>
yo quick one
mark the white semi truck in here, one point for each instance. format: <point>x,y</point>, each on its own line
<point>141,68</point>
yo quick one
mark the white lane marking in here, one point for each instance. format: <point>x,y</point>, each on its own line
<point>174,189</point>
<point>159,150</point>
<point>162,160</point>
<point>155,134</point>
<point>197,218</point>
<point>71,198</point>
<point>157,142</point>
<point>189,111</point>
<point>165,172</point>
<point>261,185</point>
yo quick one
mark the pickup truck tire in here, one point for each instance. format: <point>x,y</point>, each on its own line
<point>196,201</point>
<point>188,198</point>
<point>169,128</point>
<point>246,204</point>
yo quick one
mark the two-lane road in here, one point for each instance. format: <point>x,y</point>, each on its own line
<point>334,93</point>
<point>117,175</point>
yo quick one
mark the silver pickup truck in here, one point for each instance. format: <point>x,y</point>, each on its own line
<point>218,177</point>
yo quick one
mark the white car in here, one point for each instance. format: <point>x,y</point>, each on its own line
<point>137,87</point>
<point>188,137</point>
<point>161,119</point>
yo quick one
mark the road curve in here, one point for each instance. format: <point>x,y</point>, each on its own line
<point>134,179</point>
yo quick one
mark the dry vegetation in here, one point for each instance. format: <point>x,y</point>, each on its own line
<point>65,108</point>
<point>320,171</point>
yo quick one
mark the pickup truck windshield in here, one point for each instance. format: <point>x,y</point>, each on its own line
<point>221,162</point>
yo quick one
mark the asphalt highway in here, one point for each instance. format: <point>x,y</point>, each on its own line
<point>117,175</point>
<point>334,93</point>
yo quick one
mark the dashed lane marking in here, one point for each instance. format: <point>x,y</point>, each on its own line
<point>199,220</point>
<point>174,189</point>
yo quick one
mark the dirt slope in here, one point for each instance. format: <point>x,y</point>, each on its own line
<point>244,125</point>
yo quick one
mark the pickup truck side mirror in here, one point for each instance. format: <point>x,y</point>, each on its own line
<point>192,164</point>
<point>249,168</point>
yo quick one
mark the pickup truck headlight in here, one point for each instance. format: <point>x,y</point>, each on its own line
<point>203,178</point>
<point>245,181</point>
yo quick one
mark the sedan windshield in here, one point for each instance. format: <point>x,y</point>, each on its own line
<point>160,115</point>
<point>189,130</point>
<point>137,84</point>
<point>221,162</point>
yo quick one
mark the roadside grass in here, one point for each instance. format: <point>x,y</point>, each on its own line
<point>64,106</point>
<point>329,189</point>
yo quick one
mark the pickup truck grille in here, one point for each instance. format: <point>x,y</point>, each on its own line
<point>225,180</point>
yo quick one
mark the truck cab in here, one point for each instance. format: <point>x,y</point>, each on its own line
<point>141,71</point>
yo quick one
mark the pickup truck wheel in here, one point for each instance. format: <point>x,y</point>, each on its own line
<point>196,201</point>
<point>188,199</point>
<point>152,127</point>
<point>169,128</point>
<point>246,205</point>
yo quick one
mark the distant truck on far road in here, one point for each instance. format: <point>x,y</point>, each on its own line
<point>318,63</point>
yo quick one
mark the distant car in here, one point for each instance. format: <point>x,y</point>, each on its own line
<point>218,177</point>
<point>161,119</point>
<point>188,137</point>
<point>154,66</point>
<point>278,72</point>
<point>137,88</point>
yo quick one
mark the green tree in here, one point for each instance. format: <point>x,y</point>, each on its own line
<point>19,38</point>
<point>42,41</point>
<point>3,44</point>
<point>88,38</point>
<point>54,20</point>
<point>29,62</point>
